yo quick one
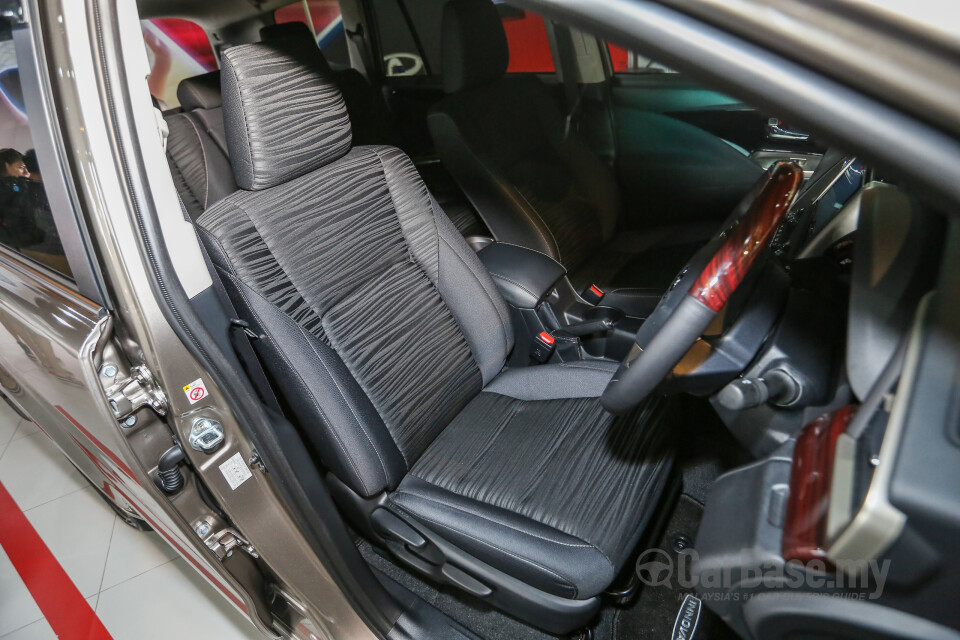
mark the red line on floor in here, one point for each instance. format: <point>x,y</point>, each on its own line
<point>65,608</point>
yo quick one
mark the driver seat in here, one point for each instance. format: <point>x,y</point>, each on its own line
<point>387,341</point>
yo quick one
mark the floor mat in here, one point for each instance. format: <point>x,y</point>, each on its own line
<point>653,614</point>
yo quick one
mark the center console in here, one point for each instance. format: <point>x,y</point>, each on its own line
<point>554,322</point>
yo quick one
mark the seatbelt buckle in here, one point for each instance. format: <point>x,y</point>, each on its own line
<point>543,346</point>
<point>592,294</point>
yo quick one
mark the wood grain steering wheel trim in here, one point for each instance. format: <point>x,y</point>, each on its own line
<point>748,237</point>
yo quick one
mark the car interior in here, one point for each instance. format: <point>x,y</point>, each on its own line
<point>538,304</point>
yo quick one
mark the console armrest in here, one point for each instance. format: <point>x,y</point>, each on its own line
<point>524,276</point>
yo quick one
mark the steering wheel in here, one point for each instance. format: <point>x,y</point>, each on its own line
<point>702,288</point>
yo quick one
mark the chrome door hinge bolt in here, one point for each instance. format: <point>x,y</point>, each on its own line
<point>256,461</point>
<point>129,421</point>
<point>203,529</point>
<point>108,370</point>
<point>224,542</point>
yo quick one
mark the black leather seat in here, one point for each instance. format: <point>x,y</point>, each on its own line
<point>387,340</point>
<point>503,139</point>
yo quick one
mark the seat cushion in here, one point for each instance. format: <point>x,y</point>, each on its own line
<point>552,490</point>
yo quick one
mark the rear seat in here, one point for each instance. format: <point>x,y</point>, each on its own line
<point>197,146</point>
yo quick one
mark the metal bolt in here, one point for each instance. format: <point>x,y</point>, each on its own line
<point>680,542</point>
<point>203,529</point>
<point>108,370</point>
<point>875,461</point>
<point>130,421</point>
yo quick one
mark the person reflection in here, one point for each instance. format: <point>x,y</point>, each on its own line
<point>26,221</point>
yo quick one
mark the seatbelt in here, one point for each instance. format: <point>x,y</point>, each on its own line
<point>241,339</point>
<point>240,334</point>
<point>568,72</point>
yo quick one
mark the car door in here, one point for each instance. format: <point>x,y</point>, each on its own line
<point>60,367</point>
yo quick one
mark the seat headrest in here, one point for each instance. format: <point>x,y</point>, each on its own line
<point>283,114</point>
<point>200,92</point>
<point>473,44</point>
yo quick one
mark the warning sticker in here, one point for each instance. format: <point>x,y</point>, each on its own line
<point>196,391</point>
<point>235,470</point>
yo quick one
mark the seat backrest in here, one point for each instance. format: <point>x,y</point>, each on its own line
<point>503,140</point>
<point>380,322</point>
<point>197,145</point>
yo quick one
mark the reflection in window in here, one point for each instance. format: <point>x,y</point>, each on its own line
<point>176,49</point>
<point>26,221</point>
<point>625,61</point>
<point>527,41</point>
<point>327,24</point>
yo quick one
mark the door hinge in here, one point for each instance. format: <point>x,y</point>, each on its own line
<point>223,543</point>
<point>128,393</point>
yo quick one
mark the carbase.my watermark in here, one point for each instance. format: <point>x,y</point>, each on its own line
<point>656,567</point>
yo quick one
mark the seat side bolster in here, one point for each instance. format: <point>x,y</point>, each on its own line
<point>452,266</point>
<point>503,208</point>
<point>538,554</point>
<point>341,423</point>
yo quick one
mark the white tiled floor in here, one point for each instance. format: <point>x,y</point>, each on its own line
<point>138,586</point>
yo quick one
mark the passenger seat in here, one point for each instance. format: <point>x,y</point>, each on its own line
<point>197,146</point>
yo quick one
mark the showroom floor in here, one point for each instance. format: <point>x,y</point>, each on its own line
<point>135,584</point>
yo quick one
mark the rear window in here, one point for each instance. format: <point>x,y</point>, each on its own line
<point>327,25</point>
<point>177,49</point>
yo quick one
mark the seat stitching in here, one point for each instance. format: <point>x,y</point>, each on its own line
<point>246,127</point>
<point>316,405</point>
<point>390,190</point>
<point>520,246</point>
<point>514,282</point>
<point>436,228</point>
<point>564,579</point>
<point>206,168</point>
<point>503,524</point>
<point>503,321</point>
<point>386,479</point>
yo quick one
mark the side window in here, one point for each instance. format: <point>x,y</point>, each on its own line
<point>528,42</point>
<point>401,55</point>
<point>26,221</point>
<point>177,49</point>
<point>526,38</point>
<point>624,61</point>
<point>327,24</point>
